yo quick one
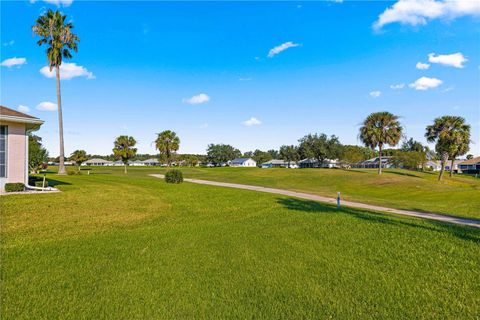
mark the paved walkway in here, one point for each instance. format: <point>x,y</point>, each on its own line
<point>432,216</point>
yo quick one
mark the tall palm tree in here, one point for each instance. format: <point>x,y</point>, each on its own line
<point>380,129</point>
<point>167,143</point>
<point>452,137</point>
<point>56,34</point>
<point>124,149</point>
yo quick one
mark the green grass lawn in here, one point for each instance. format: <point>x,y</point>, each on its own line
<point>133,247</point>
<point>401,189</point>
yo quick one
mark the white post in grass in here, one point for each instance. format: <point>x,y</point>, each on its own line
<point>338,200</point>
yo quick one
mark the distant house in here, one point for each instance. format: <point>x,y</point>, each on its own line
<point>136,163</point>
<point>275,163</point>
<point>118,163</point>
<point>455,165</point>
<point>243,162</point>
<point>14,129</point>
<point>313,163</point>
<point>470,166</point>
<point>97,162</point>
<point>151,162</point>
<point>374,163</point>
<point>434,165</point>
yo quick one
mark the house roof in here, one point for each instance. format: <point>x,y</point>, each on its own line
<point>312,160</point>
<point>7,114</point>
<point>376,160</point>
<point>4,111</point>
<point>97,160</point>
<point>471,161</point>
<point>150,160</point>
<point>275,161</point>
<point>241,160</point>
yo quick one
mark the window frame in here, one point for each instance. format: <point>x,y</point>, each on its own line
<point>5,151</point>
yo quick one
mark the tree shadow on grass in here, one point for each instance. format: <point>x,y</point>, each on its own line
<point>403,174</point>
<point>462,232</point>
<point>54,182</point>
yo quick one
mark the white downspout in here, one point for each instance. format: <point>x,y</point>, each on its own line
<point>26,169</point>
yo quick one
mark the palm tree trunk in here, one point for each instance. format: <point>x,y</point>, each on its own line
<point>125,168</point>
<point>442,170</point>
<point>451,167</point>
<point>61,165</point>
<point>380,159</point>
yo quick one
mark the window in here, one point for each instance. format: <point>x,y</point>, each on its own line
<point>3,151</point>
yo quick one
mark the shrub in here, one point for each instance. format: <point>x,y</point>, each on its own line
<point>174,176</point>
<point>14,187</point>
<point>40,183</point>
<point>74,172</point>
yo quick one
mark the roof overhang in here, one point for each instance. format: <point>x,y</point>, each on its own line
<point>31,124</point>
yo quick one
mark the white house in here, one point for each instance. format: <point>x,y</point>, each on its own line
<point>275,163</point>
<point>151,162</point>
<point>136,163</point>
<point>434,165</point>
<point>313,163</point>
<point>14,129</point>
<point>437,165</point>
<point>243,162</point>
<point>374,163</point>
<point>97,162</point>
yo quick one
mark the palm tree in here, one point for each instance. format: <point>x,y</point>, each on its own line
<point>56,34</point>
<point>167,143</point>
<point>380,129</point>
<point>452,137</point>
<point>78,156</point>
<point>123,149</point>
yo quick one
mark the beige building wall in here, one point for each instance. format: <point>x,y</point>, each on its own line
<point>16,153</point>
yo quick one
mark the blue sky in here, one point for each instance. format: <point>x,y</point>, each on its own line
<point>251,74</point>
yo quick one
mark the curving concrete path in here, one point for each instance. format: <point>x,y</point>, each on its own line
<point>424,215</point>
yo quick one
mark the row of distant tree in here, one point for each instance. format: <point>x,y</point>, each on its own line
<point>450,133</point>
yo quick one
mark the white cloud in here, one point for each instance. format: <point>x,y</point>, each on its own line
<point>13,62</point>
<point>375,94</point>
<point>47,106</point>
<point>418,12</point>
<point>9,43</point>
<point>204,125</point>
<point>284,46</point>
<point>397,86</point>
<point>68,71</point>
<point>64,3</point>
<point>453,60</point>
<point>422,66</point>
<point>23,109</point>
<point>251,122</point>
<point>425,83</point>
<point>198,99</point>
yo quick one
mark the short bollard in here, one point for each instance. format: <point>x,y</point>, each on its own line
<point>338,200</point>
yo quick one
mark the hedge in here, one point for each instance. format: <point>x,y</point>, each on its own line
<point>14,187</point>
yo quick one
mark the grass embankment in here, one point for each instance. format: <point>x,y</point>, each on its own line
<point>132,247</point>
<point>401,189</point>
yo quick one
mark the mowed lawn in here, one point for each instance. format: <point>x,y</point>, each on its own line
<point>133,247</point>
<point>401,189</point>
